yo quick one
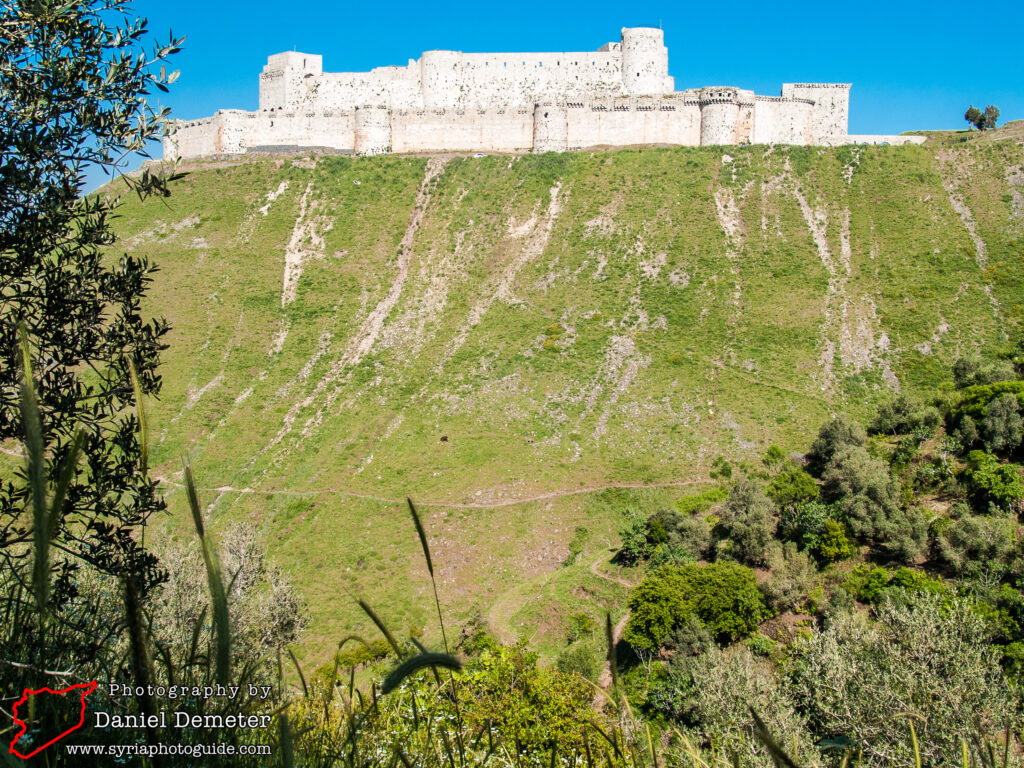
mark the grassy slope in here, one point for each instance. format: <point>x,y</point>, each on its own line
<point>567,322</point>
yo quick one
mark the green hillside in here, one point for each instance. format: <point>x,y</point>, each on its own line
<point>527,345</point>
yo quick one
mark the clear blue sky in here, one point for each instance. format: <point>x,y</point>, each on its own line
<point>913,65</point>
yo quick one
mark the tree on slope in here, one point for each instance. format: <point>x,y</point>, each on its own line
<point>73,86</point>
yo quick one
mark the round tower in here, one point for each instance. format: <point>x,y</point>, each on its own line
<point>719,115</point>
<point>372,130</point>
<point>550,128</point>
<point>644,61</point>
<point>440,78</point>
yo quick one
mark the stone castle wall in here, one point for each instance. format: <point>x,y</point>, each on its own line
<point>619,95</point>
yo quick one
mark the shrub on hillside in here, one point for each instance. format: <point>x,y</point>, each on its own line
<point>805,523</point>
<point>992,483</point>
<point>973,371</point>
<point>688,536</point>
<point>901,415</point>
<point>834,436</point>
<point>581,625</point>
<point>579,659</point>
<point>522,701</point>
<point>792,486</point>
<point>1001,425</point>
<point>633,534</point>
<point>793,576</point>
<point>929,657</point>
<point>713,695</point>
<point>723,596</point>
<point>748,523</point>
<point>266,613</point>
<point>869,501</point>
<point>833,543</point>
<point>977,546</point>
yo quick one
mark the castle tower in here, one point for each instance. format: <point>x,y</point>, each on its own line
<point>287,79</point>
<point>830,113</point>
<point>439,78</point>
<point>645,62</point>
<point>372,130</point>
<point>550,128</point>
<point>719,115</point>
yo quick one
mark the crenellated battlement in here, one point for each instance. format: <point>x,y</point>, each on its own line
<point>619,95</point>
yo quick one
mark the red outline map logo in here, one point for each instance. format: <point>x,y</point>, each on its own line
<point>86,689</point>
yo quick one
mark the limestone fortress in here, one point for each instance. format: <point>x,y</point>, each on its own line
<point>449,101</point>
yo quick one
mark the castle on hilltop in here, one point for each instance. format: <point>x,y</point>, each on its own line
<point>449,101</point>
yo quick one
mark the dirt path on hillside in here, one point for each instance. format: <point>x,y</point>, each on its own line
<point>604,680</point>
<point>444,504</point>
<point>594,570</point>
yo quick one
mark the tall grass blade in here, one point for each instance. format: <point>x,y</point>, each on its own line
<point>142,665</point>
<point>382,627</point>
<point>193,501</point>
<point>416,663</point>
<point>777,753</point>
<point>302,677</point>
<point>287,750</point>
<point>422,534</point>
<point>218,597</point>
<point>140,414</point>
<point>64,478</point>
<point>36,469</point>
<point>613,664</point>
<point>917,747</point>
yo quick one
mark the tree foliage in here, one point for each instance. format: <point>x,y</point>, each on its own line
<point>748,523</point>
<point>723,596</point>
<point>928,657</point>
<point>834,436</point>
<point>868,497</point>
<point>982,120</point>
<point>73,86</point>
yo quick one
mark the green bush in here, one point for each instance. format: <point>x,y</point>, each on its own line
<point>969,373</point>
<point>834,544</point>
<point>805,523</point>
<point>866,583</point>
<point>633,535</point>
<point>977,546</point>
<point>747,524</point>
<point>581,625</point>
<point>792,486</point>
<point>974,399</point>
<point>1001,425</point>
<point>901,415</point>
<point>713,694</point>
<point>723,596</point>
<point>793,576</point>
<point>869,501</point>
<point>993,483</point>
<point>929,658</point>
<point>834,436</point>
<point>579,659</point>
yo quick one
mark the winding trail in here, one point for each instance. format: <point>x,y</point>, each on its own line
<point>221,489</point>
<point>604,680</point>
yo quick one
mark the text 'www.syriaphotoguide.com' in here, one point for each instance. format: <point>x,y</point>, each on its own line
<point>153,750</point>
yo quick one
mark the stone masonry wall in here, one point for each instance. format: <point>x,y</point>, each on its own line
<point>619,95</point>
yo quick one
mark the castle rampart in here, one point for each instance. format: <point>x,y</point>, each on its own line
<point>619,95</point>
